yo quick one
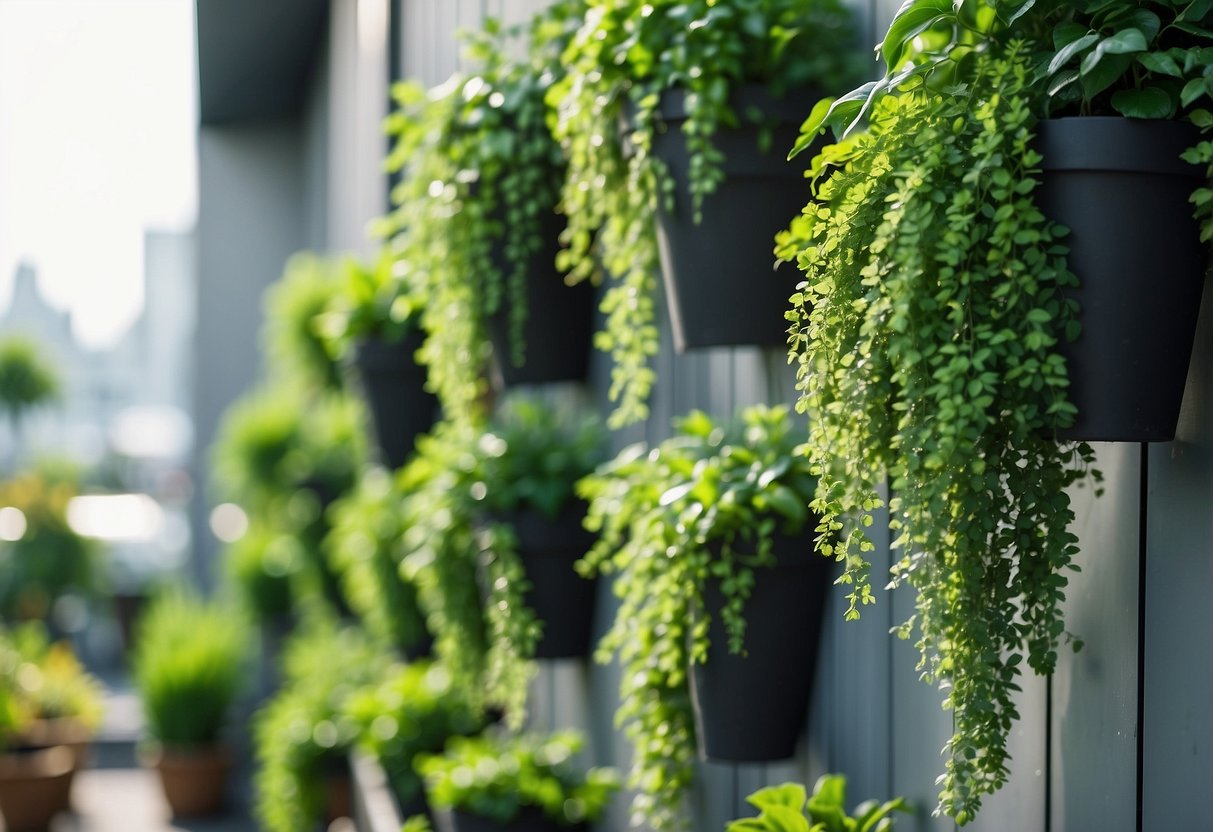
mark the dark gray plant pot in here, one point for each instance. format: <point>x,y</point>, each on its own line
<point>530,820</point>
<point>722,285</point>
<point>753,707</point>
<point>393,386</point>
<point>1120,187</point>
<point>559,321</point>
<point>560,598</point>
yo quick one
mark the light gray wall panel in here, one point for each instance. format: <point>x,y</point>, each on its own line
<point>1093,757</point>
<point>1178,696</point>
<point>250,220</point>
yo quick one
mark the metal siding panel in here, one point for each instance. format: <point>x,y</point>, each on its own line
<point>1094,693</point>
<point>1178,729</point>
<point>1022,801</point>
<point>919,730</point>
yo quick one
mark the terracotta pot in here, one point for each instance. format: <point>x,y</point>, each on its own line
<point>66,731</point>
<point>34,787</point>
<point>194,781</point>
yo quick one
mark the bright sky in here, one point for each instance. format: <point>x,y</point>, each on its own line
<point>97,120</point>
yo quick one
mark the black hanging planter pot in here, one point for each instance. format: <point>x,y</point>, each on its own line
<point>560,598</point>
<point>753,707</point>
<point>393,386</point>
<point>559,320</point>
<point>529,820</point>
<point>1120,187</point>
<point>722,286</point>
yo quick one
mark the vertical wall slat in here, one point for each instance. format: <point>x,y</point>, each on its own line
<point>1178,695</point>
<point>1093,755</point>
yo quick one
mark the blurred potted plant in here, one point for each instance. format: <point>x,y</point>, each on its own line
<point>528,463</point>
<point>374,324</point>
<point>675,117</point>
<point>519,783</point>
<point>490,540</point>
<point>365,548</point>
<point>285,455</point>
<point>302,737</point>
<point>786,808</point>
<point>48,708</point>
<point>27,381</point>
<point>49,561</point>
<point>188,665</point>
<point>293,336</point>
<point>414,710</point>
<point>478,148</point>
<point>721,597</point>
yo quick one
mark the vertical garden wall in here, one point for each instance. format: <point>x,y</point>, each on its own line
<point>1119,738</point>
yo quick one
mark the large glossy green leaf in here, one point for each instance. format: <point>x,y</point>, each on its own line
<point>1150,102</point>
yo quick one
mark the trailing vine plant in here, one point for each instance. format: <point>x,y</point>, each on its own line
<point>925,335</point>
<point>701,506</point>
<point>480,175</point>
<point>926,329</point>
<point>623,58</point>
<point>463,554</point>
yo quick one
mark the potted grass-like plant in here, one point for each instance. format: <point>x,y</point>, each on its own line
<point>675,117</point>
<point>475,229</point>
<point>188,667</point>
<point>721,599</point>
<point>947,328</point>
<point>525,783</point>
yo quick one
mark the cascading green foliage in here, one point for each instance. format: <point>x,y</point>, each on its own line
<point>364,547</point>
<point>925,335</point>
<point>459,486</point>
<point>292,335</point>
<point>624,57</point>
<point>304,731</point>
<point>480,178</point>
<point>501,777</point>
<point>701,506</point>
<point>415,710</point>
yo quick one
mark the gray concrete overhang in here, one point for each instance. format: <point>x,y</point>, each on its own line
<point>255,57</point>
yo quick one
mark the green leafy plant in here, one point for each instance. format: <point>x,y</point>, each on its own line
<point>925,335</point>
<point>27,379</point>
<point>701,506</point>
<point>304,731</point>
<point>49,560</point>
<point>458,486</point>
<point>372,303</point>
<point>284,455</point>
<point>188,666</point>
<point>44,681</point>
<point>498,777</point>
<point>415,710</point>
<point>626,55</point>
<point>786,808</point>
<point>365,548</point>
<point>1093,57</point>
<point>480,178</point>
<point>262,566</point>
<point>293,334</point>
